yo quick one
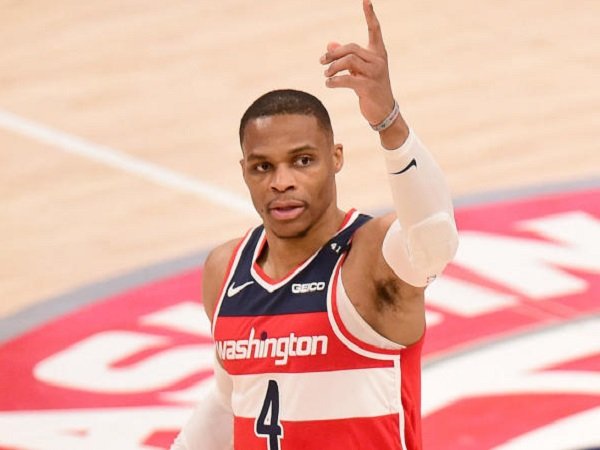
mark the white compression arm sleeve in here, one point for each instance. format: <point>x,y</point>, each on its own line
<point>211,425</point>
<point>423,239</point>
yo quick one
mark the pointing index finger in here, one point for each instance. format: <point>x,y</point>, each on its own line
<point>375,36</point>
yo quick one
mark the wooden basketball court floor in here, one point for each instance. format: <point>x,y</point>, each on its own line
<point>118,119</point>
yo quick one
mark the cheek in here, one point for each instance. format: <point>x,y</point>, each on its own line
<point>323,185</point>
<point>256,192</point>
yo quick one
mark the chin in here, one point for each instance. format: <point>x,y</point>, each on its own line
<point>290,231</point>
<point>291,235</point>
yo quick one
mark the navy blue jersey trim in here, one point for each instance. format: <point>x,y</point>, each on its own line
<point>305,292</point>
<point>259,302</point>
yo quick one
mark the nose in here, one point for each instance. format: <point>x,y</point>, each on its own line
<point>283,179</point>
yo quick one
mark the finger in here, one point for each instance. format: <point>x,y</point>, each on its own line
<point>332,46</point>
<point>351,62</point>
<point>339,51</point>
<point>344,81</point>
<point>375,36</point>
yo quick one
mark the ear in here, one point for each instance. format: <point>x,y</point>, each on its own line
<point>243,166</point>
<point>338,157</point>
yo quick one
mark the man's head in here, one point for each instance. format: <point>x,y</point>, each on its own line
<point>286,101</point>
<point>290,161</point>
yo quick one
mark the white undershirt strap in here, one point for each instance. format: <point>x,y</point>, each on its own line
<point>356,325</point>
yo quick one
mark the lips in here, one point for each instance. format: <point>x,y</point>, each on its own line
<point>286,209</point>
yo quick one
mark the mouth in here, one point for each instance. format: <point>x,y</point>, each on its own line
<point>286,210</point>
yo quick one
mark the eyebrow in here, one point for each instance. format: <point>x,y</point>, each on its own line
<point>301,149</point>
<point>294,151</point>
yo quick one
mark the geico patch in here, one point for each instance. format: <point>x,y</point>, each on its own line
<point>303,288</point>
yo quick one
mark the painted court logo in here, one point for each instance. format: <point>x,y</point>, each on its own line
<point>511,361</point>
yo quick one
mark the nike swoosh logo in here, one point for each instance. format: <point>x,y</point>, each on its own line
<point>233,289</point>
<point>413,163</point>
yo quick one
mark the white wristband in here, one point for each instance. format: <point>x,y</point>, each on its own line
<point>389,120</point>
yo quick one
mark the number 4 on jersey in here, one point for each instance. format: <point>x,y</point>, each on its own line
<point>270,429</point>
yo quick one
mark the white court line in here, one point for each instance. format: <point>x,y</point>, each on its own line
<point>123,161</point>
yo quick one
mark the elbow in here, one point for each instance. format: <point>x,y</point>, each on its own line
<point>422,252</point>
<point>432,243</point>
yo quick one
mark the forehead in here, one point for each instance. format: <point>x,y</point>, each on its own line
<point>283,132</point>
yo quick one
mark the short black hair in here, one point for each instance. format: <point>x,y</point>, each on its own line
<point>286,101</point>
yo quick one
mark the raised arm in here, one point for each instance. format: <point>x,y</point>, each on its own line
<point>423,238</point>
<point>368,76</point>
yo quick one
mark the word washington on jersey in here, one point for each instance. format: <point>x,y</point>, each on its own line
<point>281,348</point>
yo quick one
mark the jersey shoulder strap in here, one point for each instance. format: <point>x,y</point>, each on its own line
<point>343,238</point>
<point>249,249</point>
<point>337,245</point>
<point>328,256</point>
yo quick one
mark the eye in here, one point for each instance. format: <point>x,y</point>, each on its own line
<point>303,161</point>
<point>262,167</point>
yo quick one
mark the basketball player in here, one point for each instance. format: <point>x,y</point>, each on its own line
<point>318,314</point>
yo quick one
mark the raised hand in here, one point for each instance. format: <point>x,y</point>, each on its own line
<point>367,70</point>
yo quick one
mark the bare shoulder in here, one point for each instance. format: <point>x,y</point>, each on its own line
<point>367,258</point>
<point>392,307</point>
<point>215,269</point>
<point>371,234</point>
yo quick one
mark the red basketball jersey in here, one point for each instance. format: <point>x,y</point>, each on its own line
<point>301,381</point>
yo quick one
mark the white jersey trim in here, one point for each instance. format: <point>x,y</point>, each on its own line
<point>341,336</point>
<point>272,287</point>
<point>332,296</point>
<point>401,406</point>
<point>340,394</point>
<point>356,325</point>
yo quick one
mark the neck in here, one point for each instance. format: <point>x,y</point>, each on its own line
<point>281,256</point>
